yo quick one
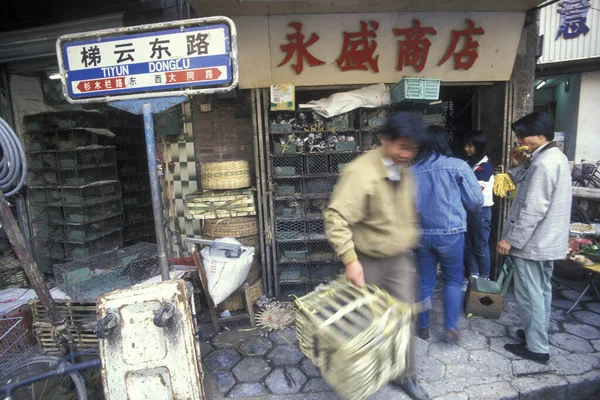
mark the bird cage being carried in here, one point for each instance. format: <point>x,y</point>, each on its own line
<point>357,337</point>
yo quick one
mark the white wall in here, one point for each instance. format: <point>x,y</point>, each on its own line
<point>588,125</point>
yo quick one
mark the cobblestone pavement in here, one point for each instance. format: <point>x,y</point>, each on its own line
<point>260,365</point>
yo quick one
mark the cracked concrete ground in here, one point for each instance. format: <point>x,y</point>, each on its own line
<point>255,364</point>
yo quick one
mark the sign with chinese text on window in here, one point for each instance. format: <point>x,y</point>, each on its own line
<point>333,49</point>
<point>183,57</point>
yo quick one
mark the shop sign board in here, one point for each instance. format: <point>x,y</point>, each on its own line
<point>167,59</point>
<point>333,49</point>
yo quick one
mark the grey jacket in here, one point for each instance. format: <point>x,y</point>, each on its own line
<point>537,226</point>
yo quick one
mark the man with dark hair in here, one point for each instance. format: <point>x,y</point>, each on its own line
<point>537,229</point>
<point>371,221</point>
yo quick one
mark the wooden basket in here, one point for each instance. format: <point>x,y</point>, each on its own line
<point>81,320</point>
<point>358,338</point>
<point>215,205</point>
<point>231,227</point>
<point>235,302</point>
<point>225,175</point>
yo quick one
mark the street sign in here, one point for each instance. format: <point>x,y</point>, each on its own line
<point>167,59</point>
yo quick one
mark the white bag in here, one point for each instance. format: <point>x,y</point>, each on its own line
<point>226,275</point>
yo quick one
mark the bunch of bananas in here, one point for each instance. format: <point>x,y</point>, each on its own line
<point>503,185</point>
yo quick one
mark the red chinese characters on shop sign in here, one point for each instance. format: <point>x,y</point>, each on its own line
<point>358,48</point>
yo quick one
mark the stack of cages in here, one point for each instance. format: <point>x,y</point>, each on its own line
<point>87,278</point>
<point>308,153</point>
<point>74,196</point>
<point>132,166</point>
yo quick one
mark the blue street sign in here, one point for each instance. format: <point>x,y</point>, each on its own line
<point>168,59</point>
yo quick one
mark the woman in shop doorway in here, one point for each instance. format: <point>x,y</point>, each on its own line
<point>477,249</point>
<point>446,190</point>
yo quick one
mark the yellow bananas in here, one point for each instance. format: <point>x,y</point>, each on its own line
<point>503,185</point>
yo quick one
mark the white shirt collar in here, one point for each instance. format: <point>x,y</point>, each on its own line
<point>538,150</point>
<point>483,160</point>
<point>394,171</point>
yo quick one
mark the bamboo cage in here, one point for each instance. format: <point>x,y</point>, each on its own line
<point>357,337</point>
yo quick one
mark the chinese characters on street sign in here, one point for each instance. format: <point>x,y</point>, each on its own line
<point>183,57</point>
<point>359,48</point>
<point>573,15</point>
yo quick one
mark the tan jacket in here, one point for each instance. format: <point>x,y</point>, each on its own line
<point>370,214</point>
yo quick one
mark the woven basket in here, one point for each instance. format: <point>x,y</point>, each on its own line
<point>225,175</point>
<point>220,204</point>
<point>358,338</point>
<point>12,274</point>
<point>235,302</point>
<point>231,227</point>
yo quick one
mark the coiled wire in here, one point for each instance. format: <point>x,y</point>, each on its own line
<point>13,164</point>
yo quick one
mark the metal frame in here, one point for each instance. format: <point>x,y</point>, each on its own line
<point>142,29</point>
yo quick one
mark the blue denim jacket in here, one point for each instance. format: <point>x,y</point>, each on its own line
<point>446,189</point>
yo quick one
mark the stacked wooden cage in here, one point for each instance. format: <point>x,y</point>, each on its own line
<point>357,337</point>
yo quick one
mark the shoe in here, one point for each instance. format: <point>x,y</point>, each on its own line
<point>423,333</point>
<point>411,388</point>
<point>465,285</point>
<point>451,336</point>
<point>523,352</point>
<point>521,335</point>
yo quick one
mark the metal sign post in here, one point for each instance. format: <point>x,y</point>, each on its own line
<point>147,69</point>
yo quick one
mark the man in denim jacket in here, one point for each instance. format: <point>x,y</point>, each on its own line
<point>537,229</point>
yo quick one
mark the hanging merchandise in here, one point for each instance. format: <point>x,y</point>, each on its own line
<point>503,185</point>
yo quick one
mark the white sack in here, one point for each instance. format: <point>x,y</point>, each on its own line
<point>369,97</point>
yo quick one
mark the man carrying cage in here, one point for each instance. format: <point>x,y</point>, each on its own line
<point>372,224</point>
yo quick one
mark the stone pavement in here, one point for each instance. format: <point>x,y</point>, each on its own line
<point>256,364</point>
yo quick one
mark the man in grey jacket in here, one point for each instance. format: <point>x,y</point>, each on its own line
<point>537,229</point>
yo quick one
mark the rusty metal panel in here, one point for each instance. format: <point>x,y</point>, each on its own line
<point>558,48</point>
<point>147,346</point>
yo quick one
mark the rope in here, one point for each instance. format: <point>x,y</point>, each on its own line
<point>13,164</point>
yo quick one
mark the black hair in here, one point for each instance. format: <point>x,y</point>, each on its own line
<point>537,123</point>
<point>404,124</point>
<point>477,139</point>
<point>435,142</point>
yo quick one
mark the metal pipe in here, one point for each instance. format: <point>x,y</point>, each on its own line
<point>157,207</point>
<point>17,241</point>
<point>259,192</point>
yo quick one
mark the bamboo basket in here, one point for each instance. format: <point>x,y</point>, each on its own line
<point>12,274</point>
<point>81,320</point>
<point>231,227</point>
<point>214,205</point>
<point>357,337</point>
<point>225,175</point>
<point>235,302</point>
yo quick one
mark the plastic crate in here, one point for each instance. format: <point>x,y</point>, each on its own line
<point>416,90</point>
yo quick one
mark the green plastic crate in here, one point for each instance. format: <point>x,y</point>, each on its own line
<point>416,90</point>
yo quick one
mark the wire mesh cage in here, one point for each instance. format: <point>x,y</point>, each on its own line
<point>66,251</point>
<point>83,157</point>
<point>321,251</point>
<point>132,166</point>
<point>80,233</point>
<point>64,139</point>
<point>75,213</point>
<point>137,198</point>
<point>288,188</point>
<point>376,118</point>
<point>65,119</point>
<point>339,161</point>
<point>290,230</point>
<point>77,176</point>
<point>15,344</point>
<point>314,208</point>
<point>370,140</point>
<point>131,184</point>
<point>287,165</point>
<point>137,214</point>
<point>323,273</point>
<point>98,192</point>
<point>88,278</point>
<point>136,231</point>
<point>322,185</point>
<point>292,252</point>
<point>289,291</point>
<point>289,209</point>
<point>293,273</point>
<point>316,230</point>
<point>317,164</point>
